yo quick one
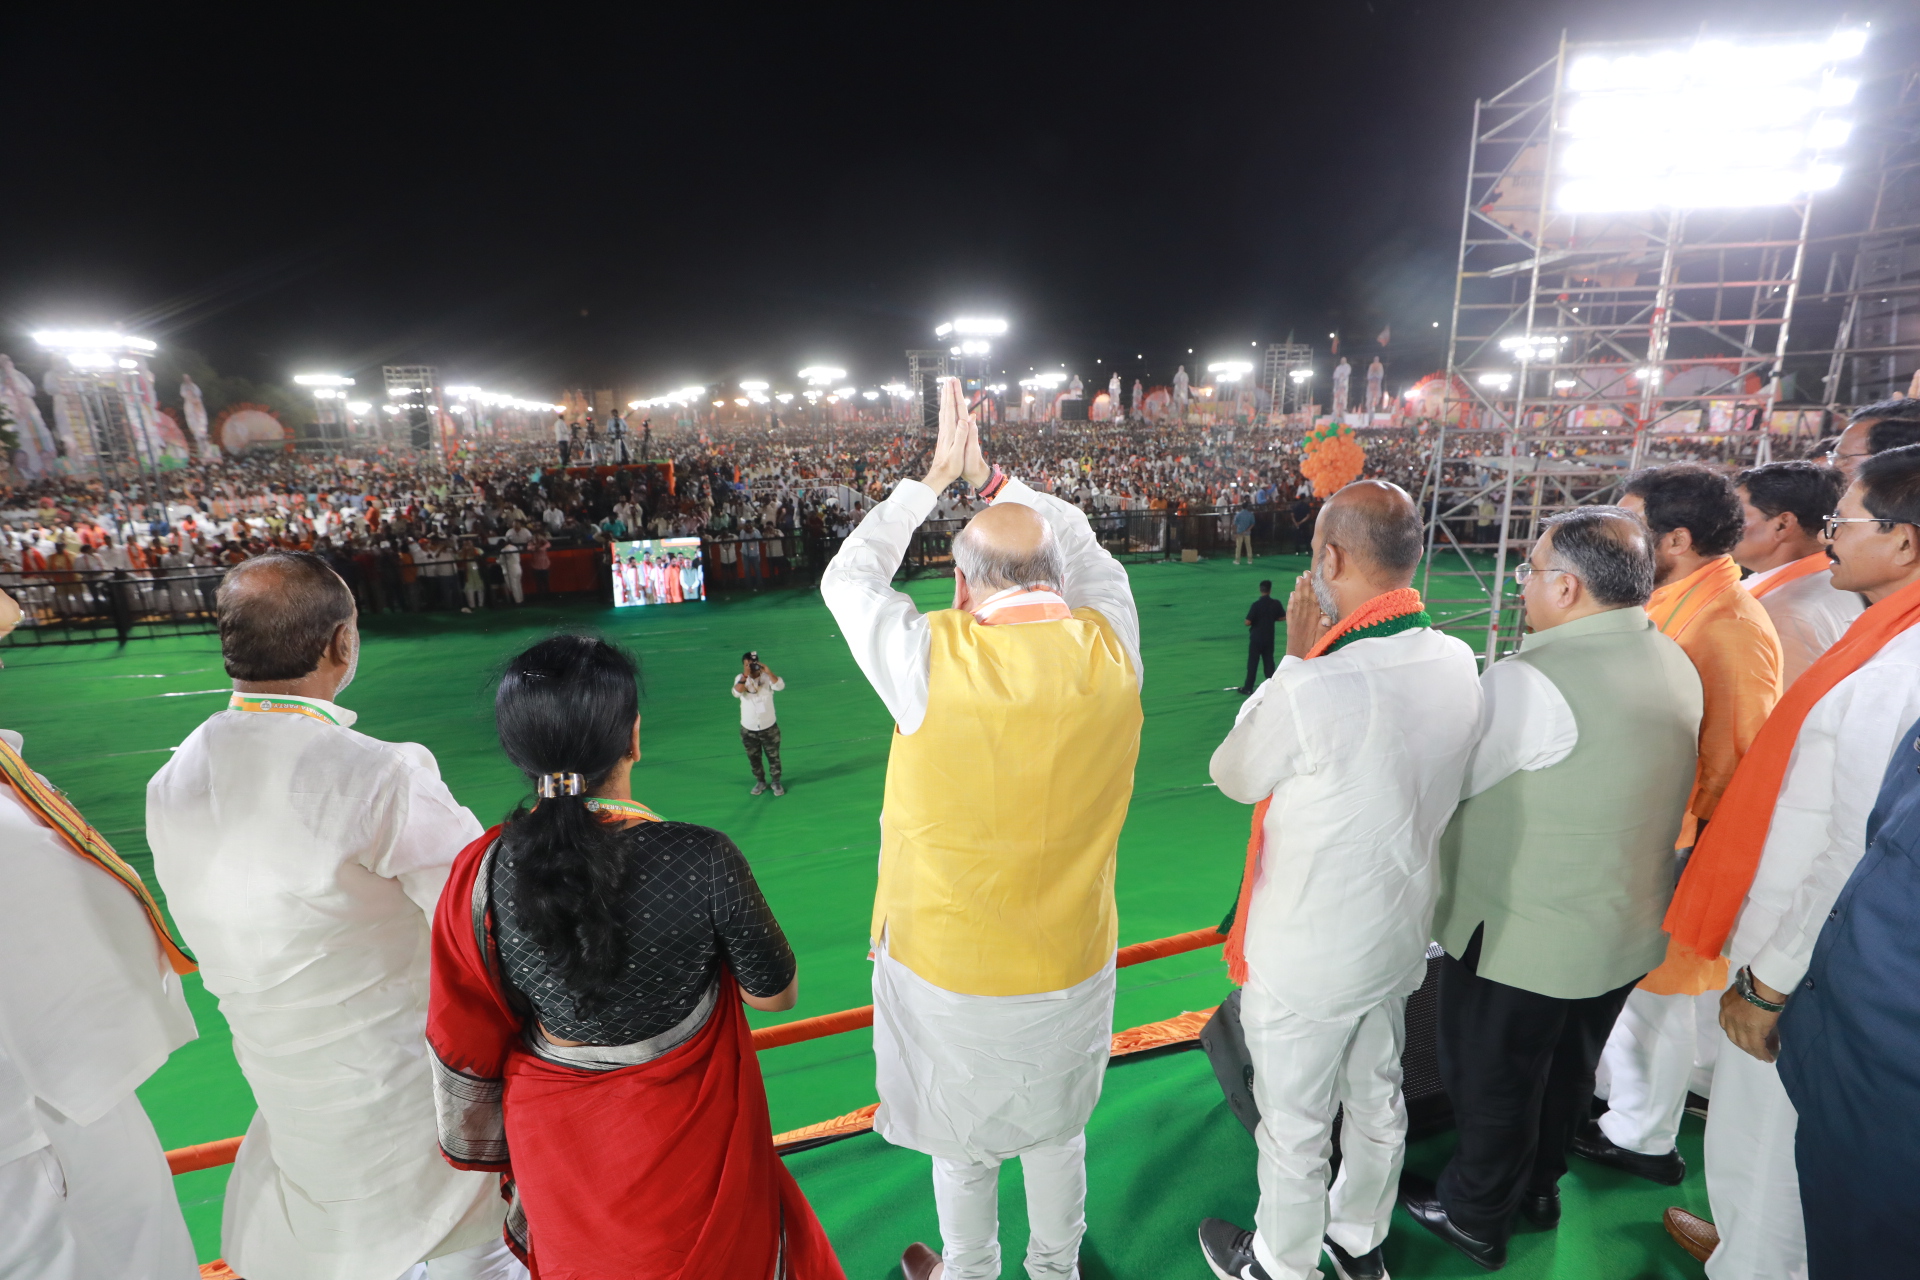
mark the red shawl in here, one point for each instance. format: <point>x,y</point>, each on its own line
<point>660,1171</point>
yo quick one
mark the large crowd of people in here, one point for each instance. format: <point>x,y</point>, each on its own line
<point>1668,847</point>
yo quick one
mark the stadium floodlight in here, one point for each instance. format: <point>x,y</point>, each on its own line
<point>1498,381</point>
<point>869,395</point>
<point>1301,375</point>
<point>896,389</point>
<point>1534,347</point>
<point>1564,384</point>
<point>785,397</point>
<point>1229,370</point>
<point>820,375</point>
<point>92,340</point>
<point>359,406</point>
<point>328,380</point>
<point>974,347</point>
<point>1777,108</point>
<point>845,391</point>
<point>742,401</point>
<point>753,384</point>
<point>1050,379</point>
<point>974,326</point>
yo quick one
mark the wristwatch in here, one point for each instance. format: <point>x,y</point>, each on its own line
<point>1743,983</point>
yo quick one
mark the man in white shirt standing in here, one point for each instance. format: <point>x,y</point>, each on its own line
<point>303,862</point>
<point>1785,556</point>
<point>759,730</point>
<point>1557,868</point>
<point>1809,782</point>
<point>1354,751</point>
<point>90,1008</point>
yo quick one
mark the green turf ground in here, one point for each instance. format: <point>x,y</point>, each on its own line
<point>1164,1150</point>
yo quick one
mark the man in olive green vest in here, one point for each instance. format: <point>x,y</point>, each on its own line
<point>1556,872</point>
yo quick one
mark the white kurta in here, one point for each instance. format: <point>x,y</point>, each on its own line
<point>1809,613</point>
<point>89,1010</point>
<point>1818,836</point>
<point>302,861</point>
<point>1364,752</point>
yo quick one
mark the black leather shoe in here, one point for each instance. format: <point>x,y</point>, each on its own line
<point>1590,1142</point>
<point>1229,1251</point>
<point>1368,1266</point>
<point>1422,1200</point>
<point>1542,1208</point>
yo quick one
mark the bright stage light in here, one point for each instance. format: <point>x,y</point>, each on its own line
<point>819,375</point>
<point>785,397</point>
<point>358,406</point>
<point>1564,384</point>
<point>1539,348</point>
<point>843,392</point>
<point>974,348</point>
<point>1301,375</point>
<point>869,395</point>
<point>897,389</point>
<point>326,380</point>
<point>1230,370</point>
<point>1498,381</point>
<point>742,401</point>
<point>753,384</point>
<point>1766,113</point>
<point>92,340</point>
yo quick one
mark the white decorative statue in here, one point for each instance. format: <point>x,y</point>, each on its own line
<point>1375,373</point>
<point>1342,374</point>
<point>1180,394</point>
<point>196,409</point>
<point>37,454</point>
<point>1113,398</point>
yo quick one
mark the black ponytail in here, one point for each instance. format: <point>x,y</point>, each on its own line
<point>567,705</point>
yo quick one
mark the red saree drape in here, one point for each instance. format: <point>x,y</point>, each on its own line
<point>663,1170</point>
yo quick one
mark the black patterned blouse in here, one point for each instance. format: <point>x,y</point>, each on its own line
<point>690,904</point>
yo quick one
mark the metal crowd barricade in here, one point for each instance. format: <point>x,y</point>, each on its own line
<point>81,606</point>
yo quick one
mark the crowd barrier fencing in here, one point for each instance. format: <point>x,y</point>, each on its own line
<point>1180,1029</point>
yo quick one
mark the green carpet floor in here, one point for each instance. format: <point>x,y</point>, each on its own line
<point>1164,1150</point>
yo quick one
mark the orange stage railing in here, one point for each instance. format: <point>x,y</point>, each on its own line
<point>207,1155</point>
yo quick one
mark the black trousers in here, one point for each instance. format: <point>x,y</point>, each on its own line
<point>1518,1067</point>
<point>1257,652</point>
<point>767,741</point>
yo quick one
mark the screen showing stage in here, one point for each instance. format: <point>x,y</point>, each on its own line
<point>657,571</point>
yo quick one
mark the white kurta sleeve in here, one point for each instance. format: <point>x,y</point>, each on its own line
<point>1525,725</point>
<point>889,636</point>
<point>1095,580</point>
<point>1875,725</point>
<point>1264,747</point>
<point>433,831</point>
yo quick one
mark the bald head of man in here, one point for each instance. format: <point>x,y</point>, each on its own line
<point>288,625</point>
<point>1007,545</point>
<point>1366,543</point>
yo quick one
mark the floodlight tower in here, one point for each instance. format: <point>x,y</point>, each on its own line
<point>329,401</point>
<point>970,345</point>
<point>102,373</point>
<point>1632,239</point>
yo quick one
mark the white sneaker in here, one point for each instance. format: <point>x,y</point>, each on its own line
<point>758,787</point>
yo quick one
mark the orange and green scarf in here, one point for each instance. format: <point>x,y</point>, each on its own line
<point>1384,615</point>
<point>59,813</point>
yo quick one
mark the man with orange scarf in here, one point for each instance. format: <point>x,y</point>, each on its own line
<point>1353,754</point>
<point>1781,548</point>
<point>1765,875</point>
<point>1694,514</point>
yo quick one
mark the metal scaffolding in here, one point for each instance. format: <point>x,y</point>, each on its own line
<point>1874,274</point>
<point>1584,345</point>
<point>1286,394</point>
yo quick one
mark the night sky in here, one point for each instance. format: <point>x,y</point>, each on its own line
<point>544,196</point>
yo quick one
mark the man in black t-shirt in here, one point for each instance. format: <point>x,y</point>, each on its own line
<point>1260,619</point>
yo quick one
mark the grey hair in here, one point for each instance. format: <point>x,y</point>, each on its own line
<point>1607,548</point>
<point>989,569</point>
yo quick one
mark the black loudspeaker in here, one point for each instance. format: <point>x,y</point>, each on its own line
<point>1072,410</point>
<point>930,403</point>
<point>1428,1109</point>
<point>420,426</point>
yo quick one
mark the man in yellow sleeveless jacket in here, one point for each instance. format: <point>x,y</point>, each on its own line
<point>1017,724</point>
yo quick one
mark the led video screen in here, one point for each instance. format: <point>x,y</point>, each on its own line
<point>657,571</point>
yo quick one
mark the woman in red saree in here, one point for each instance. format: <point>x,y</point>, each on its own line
<point>589,964</point>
